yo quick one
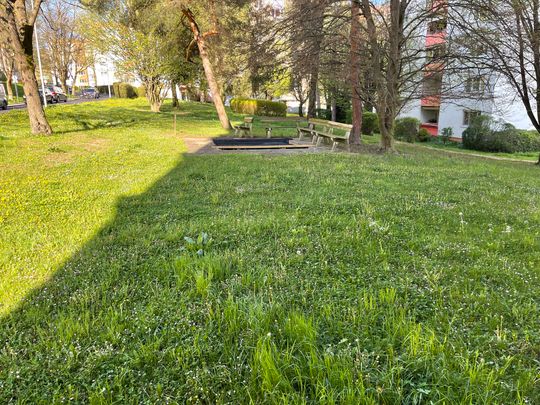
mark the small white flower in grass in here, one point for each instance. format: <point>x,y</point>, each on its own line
<point>508,229</point>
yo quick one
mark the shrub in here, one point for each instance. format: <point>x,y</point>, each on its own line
<point>482,135</point>
<point>406,129</point>
<point>116,89</point>
<point>126,90</point>
<point>370,123</point>
<point>140,91</point>
<point>424,135</point>
<point>324,114</point>
<point>103,89</point>
<point>446,134</point>
<point>259,107</point>
<point>476,135</point>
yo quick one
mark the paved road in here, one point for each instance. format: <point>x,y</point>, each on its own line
<point>71,101</point>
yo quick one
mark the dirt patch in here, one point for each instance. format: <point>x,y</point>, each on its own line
<point>95,145</point>
<point>57,159</point>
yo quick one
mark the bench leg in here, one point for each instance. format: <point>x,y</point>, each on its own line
<point>334,146</point>
<point>269,133</point>
<point>314,139</point>
<point>319,141</point>
<point>300,135</point>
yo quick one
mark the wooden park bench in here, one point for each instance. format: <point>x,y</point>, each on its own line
<point>316,129</point>
<point>290,122</point>
<point>246,128</point>
<point>325,130</point>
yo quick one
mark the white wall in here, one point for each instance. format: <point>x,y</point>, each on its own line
<point>452,113</point>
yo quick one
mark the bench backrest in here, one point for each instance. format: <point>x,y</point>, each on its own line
<point>248,120</point>
<point>283,119</point>
<point>331,124</point>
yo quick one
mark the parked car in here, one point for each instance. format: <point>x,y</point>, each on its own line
<point>57,94</point>
<point>3,98</point>
<point>90,93</point>
<point>48,96</point>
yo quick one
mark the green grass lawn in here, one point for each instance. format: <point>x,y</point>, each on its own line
<point>133,273</point>
<point>457,147</point>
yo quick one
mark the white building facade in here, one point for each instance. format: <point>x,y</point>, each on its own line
<point>452,97</point>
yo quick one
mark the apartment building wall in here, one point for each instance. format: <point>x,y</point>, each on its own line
<point>461,91</point>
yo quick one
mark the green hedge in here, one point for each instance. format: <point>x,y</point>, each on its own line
<point>140,91</point>
<point>259,107</point>
<point>104,89</point>
<point>481,136</point>
<point>406,129</point>
<point>370,122</point>
<point>124,90</point>
<point>424,135</point>
<point>324,114</point>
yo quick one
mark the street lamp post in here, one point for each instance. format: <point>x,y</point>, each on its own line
<point>15,81</point>
<point>108,80</point>
<point>39,63</point>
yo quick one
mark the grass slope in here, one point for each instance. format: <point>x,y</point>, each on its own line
<point>131,273</point>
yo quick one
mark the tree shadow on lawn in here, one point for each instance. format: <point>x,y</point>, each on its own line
<point>114,117</point>
<point>115,321</point>
<point>132,317</point>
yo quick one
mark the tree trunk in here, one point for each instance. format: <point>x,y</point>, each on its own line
<point>73,91</point>
<point>301,108</point>
<point>153,88</point>
<point>9,85</point>
<point>313,82</point>
<point>209,72</point>
<point>316,34</point>
<point>356,132</point>
<point>24,59</point>
<point>334,108</point>
<point>174,95</point>
<point>63,82</point>
<point>386,126</point>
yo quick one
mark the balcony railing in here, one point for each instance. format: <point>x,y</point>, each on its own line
<point>431,101</point>
<point>435,38</point>
<point>432,128</point>
<point>437,6</point>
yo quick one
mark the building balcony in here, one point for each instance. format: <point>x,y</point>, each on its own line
<point>432,68</point>
<point>431,101</point>
<point>433,129</point>
<point>435,38</point>
<point>438,6</point>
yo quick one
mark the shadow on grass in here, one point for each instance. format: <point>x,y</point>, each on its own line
<point>131,317</point>
<point>95,119</point>
<point>112,322</point>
